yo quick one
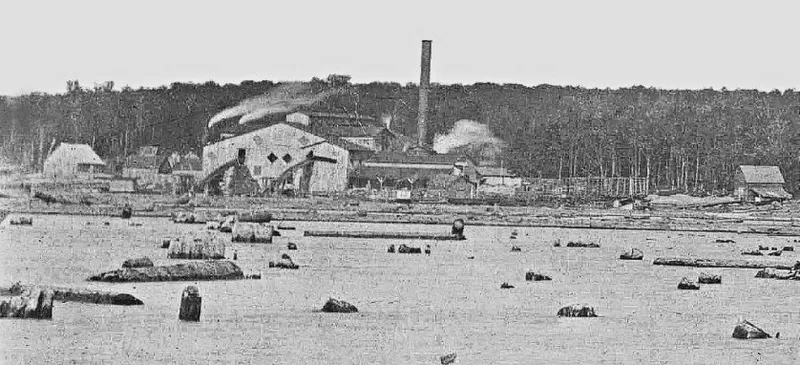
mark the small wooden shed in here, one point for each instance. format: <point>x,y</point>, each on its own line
<point>758,183</point>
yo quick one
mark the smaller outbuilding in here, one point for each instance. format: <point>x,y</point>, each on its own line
<point>759,183</point>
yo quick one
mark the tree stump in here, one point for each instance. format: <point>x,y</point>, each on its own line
<point>190,304</point>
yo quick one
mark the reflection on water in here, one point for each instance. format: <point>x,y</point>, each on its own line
<point>412,308</point>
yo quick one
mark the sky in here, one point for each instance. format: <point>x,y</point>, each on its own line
<point>665,44</point>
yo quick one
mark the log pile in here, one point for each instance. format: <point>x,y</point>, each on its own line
<point>202,247</point>
<point>30,302</point>
<point>252,232</point>
<point>203,270</point>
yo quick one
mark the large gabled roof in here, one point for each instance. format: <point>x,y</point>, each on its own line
<point>762,174</point>
<point>78,154</point>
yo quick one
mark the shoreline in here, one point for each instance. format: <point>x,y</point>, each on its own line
<point>779,226</point>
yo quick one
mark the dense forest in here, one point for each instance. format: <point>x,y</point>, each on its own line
<point>689,140</point>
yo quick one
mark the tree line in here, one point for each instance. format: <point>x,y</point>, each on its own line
<point>688,140</point>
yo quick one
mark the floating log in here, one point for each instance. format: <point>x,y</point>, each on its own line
<point>21,221</point>
<point>65,294</point>
<point>772,274</point>
<point>255,217</point>
<point>137,262</point>
<point>752,253</point>
<point>582,244</point>
<point>706,278</point>
<point>286,228</point>
<point>204,247</point>
<point>731,263</point>
<point>408,249</point>
<point>191,303</point>
<point>386,235</point>
<point>203,270</point>
<point>338,306</point>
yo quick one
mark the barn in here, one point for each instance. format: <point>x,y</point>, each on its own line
<point>757,183</point>
<point>279,156</point>
<point>72,161</point>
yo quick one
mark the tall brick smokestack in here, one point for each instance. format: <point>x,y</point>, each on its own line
<point>424,85</point>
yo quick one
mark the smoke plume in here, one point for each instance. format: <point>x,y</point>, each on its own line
<point>472,137</point>
<point>281,99</point>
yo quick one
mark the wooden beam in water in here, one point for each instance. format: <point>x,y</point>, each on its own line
<point>729,263</point>
<point>385,235</point>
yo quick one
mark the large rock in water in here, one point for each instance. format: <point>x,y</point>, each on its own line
<point>632,254</point>
<point>577,310</point>
<point>202,247</point>
<point>137,262</point>
<point>285,262</point>
<point>745,330</point>
<point>338,306</point>
<point>252,232</point>
<point>706,278</point>
<point>203,270</point>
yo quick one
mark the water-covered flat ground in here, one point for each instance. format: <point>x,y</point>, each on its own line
<point>412,308</point>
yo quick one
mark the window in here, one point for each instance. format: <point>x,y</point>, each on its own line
<point>287,158</point>
<point>272,158</point>
<point>256,170</point>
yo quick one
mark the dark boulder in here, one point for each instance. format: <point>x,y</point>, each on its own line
<point>577,310</point>
<point>408,249</point>
<point>632,254</point>
<point>291,246</point>
<point>448,359</point>
<point>165,242</point>
<point>745,330</point>
<point>775,253</point>
<point>763,248</point>
<point>532,276</point>
<point>506,286</point>
<point>127,212</point>
<point>285,262</point>
<point>427,249</point>
<point>515,249</point>
<point>687,284</point>
<point>391,249</point>
<point>138,262</point>
<point>338,306</point>
<point>788,248</point>
<point>557,243</point>
<point>706,278</point>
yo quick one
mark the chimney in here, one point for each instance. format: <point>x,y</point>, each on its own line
<point>424,84</point>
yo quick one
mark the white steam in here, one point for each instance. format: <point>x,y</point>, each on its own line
<point>281,99</point>
<point>471,136</point>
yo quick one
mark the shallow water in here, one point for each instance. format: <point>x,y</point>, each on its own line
<point>412,308</point>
